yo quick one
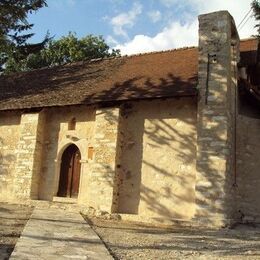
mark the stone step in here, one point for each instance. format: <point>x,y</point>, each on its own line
<point>65,200</point>
<point>65,205</point>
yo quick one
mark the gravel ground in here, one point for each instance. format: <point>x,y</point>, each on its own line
<point>136,241</point>
<point>12,221</point>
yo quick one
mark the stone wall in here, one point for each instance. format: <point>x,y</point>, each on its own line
<point>248,168</point>
<point>101,189</point>
<point>156,166</point>
<point>160,159</point>
<point>216,119</point>
<point>9,136</point>
<point>29,156</point>
<point>57,138</point>
<point>147,129</point>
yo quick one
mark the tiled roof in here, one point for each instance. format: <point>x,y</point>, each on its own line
<point>248,49</point>
<point>152,75</point>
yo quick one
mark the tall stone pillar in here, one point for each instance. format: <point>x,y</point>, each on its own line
<point>102,179</point>
<point>29,156</point>
<point>216,119</point>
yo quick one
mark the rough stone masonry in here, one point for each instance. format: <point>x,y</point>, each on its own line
<point>186,157</point>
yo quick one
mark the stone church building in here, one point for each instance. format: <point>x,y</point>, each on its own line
<point>162,136</point>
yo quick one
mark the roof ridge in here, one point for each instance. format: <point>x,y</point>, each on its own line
<point>117,57</point>
<point>104,59</point>
<point>134,55</point>
<point>146,53</point>
<point>162,51</point>
<point>177,49</point>
<point>155,52</point>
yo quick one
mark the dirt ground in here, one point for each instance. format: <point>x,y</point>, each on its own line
<point>12,221</point>
<point>135,241</point>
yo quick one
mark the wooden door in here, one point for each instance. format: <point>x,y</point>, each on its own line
<point>69,172</point>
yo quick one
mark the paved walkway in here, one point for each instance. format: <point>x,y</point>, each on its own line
<point>58,234</point>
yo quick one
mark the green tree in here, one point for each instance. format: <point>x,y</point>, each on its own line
<point>65,50</point>
<point>256,9</point>
<point>14,31</point>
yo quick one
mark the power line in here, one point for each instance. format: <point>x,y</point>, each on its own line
<point>244,23</point>
<point>245,18</point>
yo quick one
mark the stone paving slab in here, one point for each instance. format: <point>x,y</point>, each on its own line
<point>58,234</point>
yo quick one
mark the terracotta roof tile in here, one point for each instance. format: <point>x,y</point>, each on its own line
<point>248,51</point>
<point>153,75</point>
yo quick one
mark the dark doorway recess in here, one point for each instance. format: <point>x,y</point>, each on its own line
<point>70,172</point>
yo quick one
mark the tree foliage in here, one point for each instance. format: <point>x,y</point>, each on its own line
<point>68,49</point>
<point>16,54</point>
<point>14,30</point>
<point>256,9</point>
<point>13,19</point>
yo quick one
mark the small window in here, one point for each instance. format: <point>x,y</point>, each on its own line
<point>90,153</point>
<point>72,124</point>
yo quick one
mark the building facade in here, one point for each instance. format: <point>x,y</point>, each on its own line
<point>155,137</point>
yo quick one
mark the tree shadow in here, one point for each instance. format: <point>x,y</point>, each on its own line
<point>206,243</point>
<point>12,221</point>
<point>101,81</point>
<point>8,135</point>
<point>141,119</point>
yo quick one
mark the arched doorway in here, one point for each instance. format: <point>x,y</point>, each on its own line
<point>69,172</point>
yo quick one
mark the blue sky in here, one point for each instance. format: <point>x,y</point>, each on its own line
<point>135,26</point>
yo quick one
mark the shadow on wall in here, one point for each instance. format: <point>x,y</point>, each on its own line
<point>248,163</point>
<point>151,184</point>
<point>7,164</point>
<point>158,140</point>
<point>134,196</point>
<point>49,153</point>
<point>249,106</point>
<point>9,125</point>
<point>156,152</point>
<point>5,158</point>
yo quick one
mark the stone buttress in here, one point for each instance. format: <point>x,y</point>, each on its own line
<point>29,156</point>
<point>216,119</point>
